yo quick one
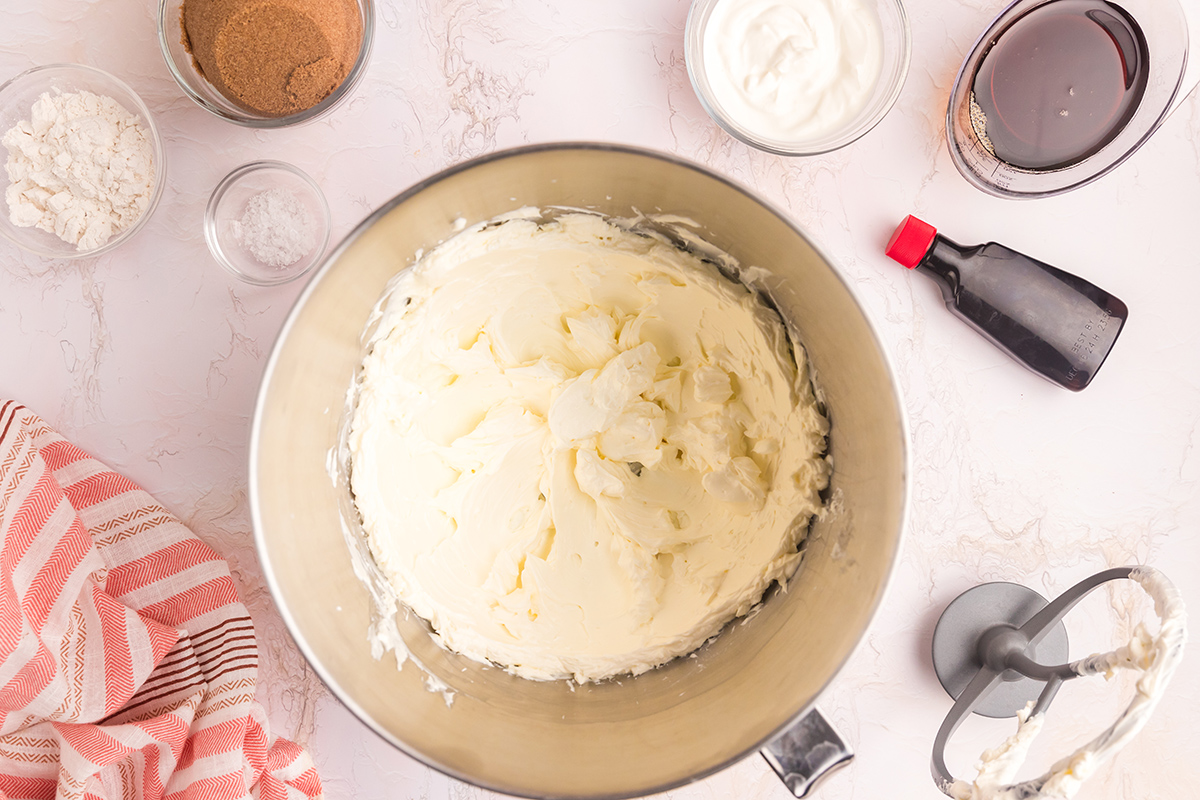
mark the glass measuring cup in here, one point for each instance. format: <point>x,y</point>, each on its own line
<point>1164,26</point>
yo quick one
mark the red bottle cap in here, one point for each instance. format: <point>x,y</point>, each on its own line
<point>911,241</point>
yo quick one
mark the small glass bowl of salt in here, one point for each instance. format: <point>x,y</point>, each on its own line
<point>267,222</point>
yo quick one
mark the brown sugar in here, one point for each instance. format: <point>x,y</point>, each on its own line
<point>273,57</point>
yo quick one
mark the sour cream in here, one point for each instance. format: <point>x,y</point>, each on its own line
<point>792,70</point>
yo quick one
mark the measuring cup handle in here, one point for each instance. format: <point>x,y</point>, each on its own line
<point>806,752</point>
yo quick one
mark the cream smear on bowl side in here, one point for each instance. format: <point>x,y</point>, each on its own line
<point>579,451</point>
<point>792,70</point>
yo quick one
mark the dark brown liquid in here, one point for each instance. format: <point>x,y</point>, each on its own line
<point>1059,83</point>
<point>1057,324</point>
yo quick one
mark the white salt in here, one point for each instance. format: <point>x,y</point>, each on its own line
<point>275,228</point>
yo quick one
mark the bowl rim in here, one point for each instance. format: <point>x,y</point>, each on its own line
<point>256,518</point>
<point>159,152</point>
<point>212,238</point>
<point>693,58</point>
<point>341,93</point>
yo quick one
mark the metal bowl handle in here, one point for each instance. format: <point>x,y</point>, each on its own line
<point>807,752</point>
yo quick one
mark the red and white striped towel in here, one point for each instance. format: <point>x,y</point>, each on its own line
<point>127,662</point>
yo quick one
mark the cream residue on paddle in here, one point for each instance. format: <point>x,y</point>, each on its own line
<point>1156,657</point>
<point>579,451</point>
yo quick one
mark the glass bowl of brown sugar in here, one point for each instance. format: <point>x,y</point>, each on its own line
<point>267,66</point>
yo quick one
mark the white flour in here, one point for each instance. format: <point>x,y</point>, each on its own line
<point>82,167</point>
<point>275,228</point>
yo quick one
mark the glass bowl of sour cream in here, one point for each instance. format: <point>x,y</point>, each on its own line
<point>797,77</point>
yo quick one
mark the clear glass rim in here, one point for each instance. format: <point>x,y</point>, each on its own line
<point>213,240</point>
<point>244,118</point>
<point>160,160</point>
<point>697,18</point>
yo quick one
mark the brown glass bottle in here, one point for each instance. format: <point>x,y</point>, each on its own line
<point>1055,323</point>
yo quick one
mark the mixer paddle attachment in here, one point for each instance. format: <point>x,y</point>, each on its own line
<point>990,651</point>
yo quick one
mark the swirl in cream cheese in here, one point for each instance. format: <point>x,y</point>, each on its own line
<point>793,70</point>
<point>578,451</point>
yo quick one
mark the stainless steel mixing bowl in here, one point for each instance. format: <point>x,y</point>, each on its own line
<point>621,738</point>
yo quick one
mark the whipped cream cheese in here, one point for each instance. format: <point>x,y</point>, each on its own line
<point>792,70</point>
<point>578,451</point>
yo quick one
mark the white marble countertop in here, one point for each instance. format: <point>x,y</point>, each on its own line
<point>150,357</point>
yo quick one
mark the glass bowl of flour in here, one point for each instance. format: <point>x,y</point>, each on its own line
<point>84,164</point>
<point>267,222</point>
